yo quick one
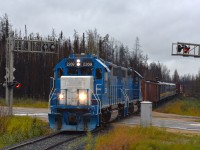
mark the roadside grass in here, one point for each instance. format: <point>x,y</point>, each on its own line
<point>140,138</point>
<point>2,103</point>
<point>90,141</point>
<point>14,129</point>
<point>182,106</point>
<point>26,102</point>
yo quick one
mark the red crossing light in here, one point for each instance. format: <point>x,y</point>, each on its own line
<point>18,85</point>
<point>186,49</point>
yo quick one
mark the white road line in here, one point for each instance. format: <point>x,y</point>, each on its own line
<point>195,124</point>
<point>37,114</point>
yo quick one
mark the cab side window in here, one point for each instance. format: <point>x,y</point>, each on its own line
<point>98,73</point>
<point>60,72</point>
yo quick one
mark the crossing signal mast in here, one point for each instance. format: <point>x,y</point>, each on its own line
<point>186,49</point>
<point>15,45</point>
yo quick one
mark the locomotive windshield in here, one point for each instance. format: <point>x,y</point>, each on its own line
<point>86,71</point>
<point>79,71</point>
<point>73,71</point>
<point>79,66</point>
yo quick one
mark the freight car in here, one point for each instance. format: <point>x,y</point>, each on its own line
<point>87,92</point>
<point>179,88</point>
<point>157,91</point>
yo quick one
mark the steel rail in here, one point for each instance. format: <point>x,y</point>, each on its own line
<point>18,146</point>
<point>71,139</point>
<point>32,141</point>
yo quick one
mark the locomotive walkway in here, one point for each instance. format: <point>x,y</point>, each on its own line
<point>158,119</point>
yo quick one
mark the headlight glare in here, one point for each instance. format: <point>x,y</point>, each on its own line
<point>78,64</point>
<point>78,60</point>
<point>61,96</point>
<point>83,96</point>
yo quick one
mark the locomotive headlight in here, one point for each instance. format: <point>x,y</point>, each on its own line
<point>78,62</point>
<point>83,96</point>
<point>62,97</point>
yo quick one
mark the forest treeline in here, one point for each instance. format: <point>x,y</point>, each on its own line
<point>34,70</point>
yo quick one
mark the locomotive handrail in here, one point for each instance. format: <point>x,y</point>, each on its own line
<point>126,96</point>
<point>134,91</point>
<point>50,97</point>
<point>98,101</point>
<point>98,89</point>
<point>52,89</point>
<point>51,94</point>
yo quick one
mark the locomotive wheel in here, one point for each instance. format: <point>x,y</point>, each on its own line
<point>139,107</point>
<point>121,111</point>
<point>105,117</point>
<point>102,122</point>
<point>131,108</point>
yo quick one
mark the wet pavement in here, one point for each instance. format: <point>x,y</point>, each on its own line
<point>158,119</point>
<point>41,113</point>
<point>167,121</point>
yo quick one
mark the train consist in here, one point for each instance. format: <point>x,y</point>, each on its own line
<point>156,91</point>
<point>87,92</point>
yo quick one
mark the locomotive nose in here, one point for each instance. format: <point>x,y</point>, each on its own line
<point>72,120</point>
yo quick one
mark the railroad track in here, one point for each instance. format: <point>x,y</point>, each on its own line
<point>49,142</point>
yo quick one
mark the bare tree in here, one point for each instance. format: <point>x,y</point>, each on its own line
<point>76,43</point>
<point>92,41</point>
<point>175,77</point>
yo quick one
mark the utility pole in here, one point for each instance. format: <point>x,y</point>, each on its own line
<point>14,45</point>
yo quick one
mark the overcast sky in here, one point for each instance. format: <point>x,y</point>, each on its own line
<point>158,23</point>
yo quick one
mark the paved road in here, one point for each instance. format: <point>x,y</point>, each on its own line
<point>41,113</point>
<point>158,119</point>
<point>168,121</point>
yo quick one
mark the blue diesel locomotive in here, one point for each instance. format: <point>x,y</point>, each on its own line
<point>87,92</point>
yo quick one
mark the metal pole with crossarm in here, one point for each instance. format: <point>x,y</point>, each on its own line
<point>14,45</point>
<point>9,74</point>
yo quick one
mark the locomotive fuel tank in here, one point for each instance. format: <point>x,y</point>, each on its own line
<point>110,114</point>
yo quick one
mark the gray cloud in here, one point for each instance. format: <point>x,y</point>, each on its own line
<point>158,23</point>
